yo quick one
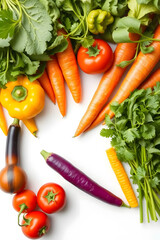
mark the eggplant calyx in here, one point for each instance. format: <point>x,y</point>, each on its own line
<point>45,154</point>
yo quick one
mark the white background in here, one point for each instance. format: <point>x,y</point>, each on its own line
<point>83,217</point>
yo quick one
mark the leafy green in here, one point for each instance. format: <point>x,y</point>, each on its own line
<point>141,11</point>
<point>135,135</point>
<point>115,7</point>
<point>28,37</point>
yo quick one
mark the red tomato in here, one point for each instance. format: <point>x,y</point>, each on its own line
<point>26,199</point>
<point>51,197</point>
<point>38,224</point>
<point>96,59</point>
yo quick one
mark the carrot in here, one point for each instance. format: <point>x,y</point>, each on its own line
<point>3,123</point>
<point>123,52</point>
<point>31,125</point>
<point>57,82</point>
<point>139,71</point>
<point>122,177</point>
<point>46,85</point>
<point>69,67</point>
<point>151,81</point>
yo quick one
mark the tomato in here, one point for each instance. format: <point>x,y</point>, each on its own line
<point>25,201</point>
<point>37,222</point>
<point>96,59</point>
<point>51,197</point>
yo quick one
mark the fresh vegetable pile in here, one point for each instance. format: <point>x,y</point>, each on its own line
<point>135,136</point>
<point>43,43</point>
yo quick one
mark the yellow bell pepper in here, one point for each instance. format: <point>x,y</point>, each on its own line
<point>23,99</point>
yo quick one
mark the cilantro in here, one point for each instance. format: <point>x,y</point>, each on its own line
<point>135,135</point>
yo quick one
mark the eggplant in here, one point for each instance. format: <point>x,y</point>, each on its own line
<point>79,179</point>
<point>12,177</point>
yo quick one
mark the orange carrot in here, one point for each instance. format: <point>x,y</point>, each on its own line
<point>46,85</point>
<point>122,177</point>
<point>31,125</point>
<point>69,67</point>
<point>151,81</point>
<point>3,123</point>
<point>57,82</point>
<point>123,52</point>
<point>139,71</point>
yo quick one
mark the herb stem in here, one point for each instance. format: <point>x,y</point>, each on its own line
<point>151,201</point>
<point>140,202</point>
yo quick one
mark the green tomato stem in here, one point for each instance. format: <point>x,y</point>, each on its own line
<point>23,207</point>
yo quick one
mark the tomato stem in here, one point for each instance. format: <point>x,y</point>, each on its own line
<point>42,231</point>
<point>23,207</point>
<point>50,196</point>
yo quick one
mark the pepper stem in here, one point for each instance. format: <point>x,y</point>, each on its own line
<point>19,93</point>
<point>45,154</point>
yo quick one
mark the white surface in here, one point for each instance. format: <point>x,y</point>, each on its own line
<point>84,217</point>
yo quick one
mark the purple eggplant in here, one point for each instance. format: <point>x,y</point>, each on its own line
<point>79,179</point>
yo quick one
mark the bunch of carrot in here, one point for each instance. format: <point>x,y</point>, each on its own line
<point>139,71</point>
<point>62,67</point>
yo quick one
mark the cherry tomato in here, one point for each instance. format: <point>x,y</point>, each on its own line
<point>96,59</point>
<point>35,224</point>
<point>26,199</point>
<point>51,197</point>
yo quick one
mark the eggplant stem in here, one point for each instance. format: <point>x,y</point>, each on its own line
<point>45,154</point>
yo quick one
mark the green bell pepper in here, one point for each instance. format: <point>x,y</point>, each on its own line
<point>98,20</point>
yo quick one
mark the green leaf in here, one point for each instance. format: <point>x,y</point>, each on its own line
<point>108,121</point>
<point>34,32</point>
<point>87,42</point>
<point>141,11</point>
<point>106,133</point>
<point>148,131</point>
<point>131,134</point>
<point>7,24</point>
<point>114,106</point>
<point>125,26</point>
<point>141,173</point>
<point>154,182</point>
<point>115,7</point>
<point>59,45</point>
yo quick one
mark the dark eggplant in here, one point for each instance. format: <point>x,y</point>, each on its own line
<point>79,179</point>
<point>12,177</point>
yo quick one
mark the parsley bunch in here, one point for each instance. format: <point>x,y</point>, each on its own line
<point>135,135</point>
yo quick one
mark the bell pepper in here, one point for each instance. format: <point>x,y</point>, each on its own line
<point>98,20</point>
<point>23,99</point>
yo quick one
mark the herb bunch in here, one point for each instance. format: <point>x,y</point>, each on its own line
<point>135,135</point>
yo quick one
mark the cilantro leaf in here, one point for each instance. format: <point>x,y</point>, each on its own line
<point>106,132</point>
<point>141,173</point>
